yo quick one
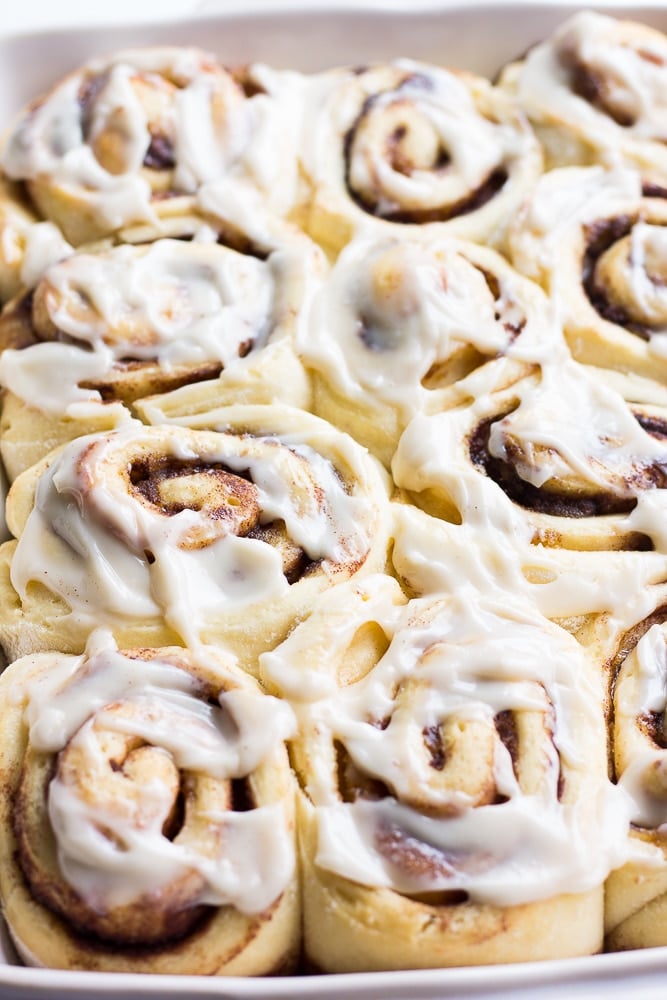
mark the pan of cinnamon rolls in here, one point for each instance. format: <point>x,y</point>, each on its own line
<point>333,589</point>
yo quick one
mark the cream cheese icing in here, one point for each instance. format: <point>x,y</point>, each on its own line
<point>564,426</point>
<point>170,304</point>
<point>641,691</point>
<point>109,555</point>
<point>392,310</point>
<point>80,698</point>
<point>462,660</point>
<point>213,128</point>
<point>628,62</point>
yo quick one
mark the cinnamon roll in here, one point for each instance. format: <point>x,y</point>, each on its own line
<point>636,892</point>
<point>407,148</point>
<point>557,458</point>
<point>147,814</point>
<point>452,759</point>
<point>596,242</point>
<point>595,93</point>
<point>172,534</point>
<point>129,139</point>
<point>590,594</point>
<point>133,321</point>
<point>27,246</point>
<point>398,321</point>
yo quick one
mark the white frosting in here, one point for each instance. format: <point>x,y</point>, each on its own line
<point>171,303</point>
<point>393,309</point>
<point>436,556</point>
<point>79,698</point>
<point>648,247</point>
<point>442,117</point>
<point>642,689</point>
<point>561,202</point>
<point>589,442</point>
<point>44,246</point>
<point>549,239</point>
<point>630,62</point>
<point>87,537</point>
<point>594,438</point>
<point>455,660</point>
<point>213,128</point>
<point>413,137</point>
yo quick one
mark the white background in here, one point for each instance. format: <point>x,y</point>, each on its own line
<point>19,16</point>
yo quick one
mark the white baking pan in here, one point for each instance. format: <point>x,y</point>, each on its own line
<point>476,36</point>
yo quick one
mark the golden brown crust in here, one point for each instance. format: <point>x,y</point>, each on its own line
<point>167,932</point>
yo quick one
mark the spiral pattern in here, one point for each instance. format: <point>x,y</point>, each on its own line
<point>336,434</point>
<point>142,815</point>
<point>594,239</point>
<point>595,93</point>
<point>636,891</point>
<point>131,139</point>
<point>399,322</point>
<point>437,740</point>
<point>589,477</point>
<point>167,532</point>
<point>417,147</point>
<point>133,322</point>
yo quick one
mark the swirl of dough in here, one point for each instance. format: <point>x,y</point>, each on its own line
<point>595,93</point>
<point>152,808</point>
<point>557,457</point>
<point>596,242</point>
<point>451,754</point>
<point>636,892</point>
<point>640,744</point>
<point>27,245</point>
<point>170,533</point>
<point>131,138</point>
<point>399,321</point>
<point>407,147</point>
<point>134,321</point>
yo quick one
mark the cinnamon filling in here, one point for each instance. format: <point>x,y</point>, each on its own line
<point>435,746</point>
<point>593,88</point>
<point>508,732</point>
<point>424,861</point>
<point>652,724</point>
<point>534,498</point>
<point>120,385</point>
<point>229,500</point>
<point>160,154</point>
<point>90,89</point>
<point>147,925</point>
<point>652,190</point>
<point>413,856</point>
<point>353,783</point>
<point>248,84</point>
<point>653,425</point>
<point>600,236</point>
<point>630,639</point>
<point>400,163</point>
<point>174,485</point>
<point>512,329</point>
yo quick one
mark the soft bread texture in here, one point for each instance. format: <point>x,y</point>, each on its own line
<point>50,921</point>
<point>244,550</point>
<point>372,652</point>
<point>345,392</point>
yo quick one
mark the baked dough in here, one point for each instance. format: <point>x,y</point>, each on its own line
<point>141,830</point>
<point>432,760</point>
<point>130,322</point>
<point>408,149</point>
<point>399,321</point>
<point>223,536</point>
